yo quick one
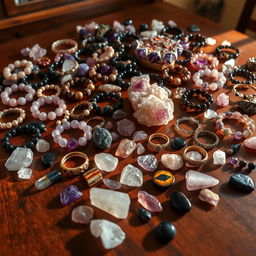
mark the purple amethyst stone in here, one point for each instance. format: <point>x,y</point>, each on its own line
<point>105,70</point>
<point>139,86</point>
<point>68,56</point>
<point>153,57</point>
<point>238,135</point>
<point>219,125</point>
<point>112,36</point>
<point>70,195</point>
<point>233,160</point>
<point>90,62</point>
<point>203,62</point>
<point>141,53</point>
<point>84,32</point>
<point>82,69</point>
<point>228,114</point>
<point>72,144</point>
<point>168,58</point>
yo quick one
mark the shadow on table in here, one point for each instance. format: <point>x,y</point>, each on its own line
<point>228,191</point>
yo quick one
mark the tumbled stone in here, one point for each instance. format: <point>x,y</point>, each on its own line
<point>67,65</point>
<point>20,157</point>
<point>42,146</point>
<point>48,159</point>
<point>109,88</point>
<point>110,233</point>
<point>119,114</point>
<point>148,162</point>
<point>125,148</point>
<point>102,138</point>
<point>144,214</point>
<point>250,143</point>
<point>180,202</point>
<point>206,195</point>
<point>219,157</point>
<point>24,173</point>
<point>210,114</point>
<point>178,143</point>
<point>131,176</point>
<point>70,195</point>
<point>82,214</point>
<point>139,135</point>
<point>113,202</point>
<point>197,180</point>
<point>194,155</point>
<point>106,162</point>
<point>112,184</point>
<point>108,125</point>
<point>149,202</point>
<point>125,127</point>
<point>140,149</point>
<point>163,178</point>
<point>165,231</point>
<point>233,149</point>
<point>241,182</point>
<point>115,136</point>
<point>222,100</point>
<point>172,161</point>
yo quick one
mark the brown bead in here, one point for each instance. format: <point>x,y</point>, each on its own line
<point>98,76</point>
<point>91,86</point>
<point>176,81</point>
<point>112,77</point>
<point>79,95</point>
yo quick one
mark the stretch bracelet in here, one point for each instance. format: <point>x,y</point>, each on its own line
<point>86,112</point>
<point>184,58</point>
<point>225,52</point>
<point>103,55</point>
<point>41,76</point>
<point>203,60</point>
<point>19,120</point>
<point>173,32</point>
<point>186,119</point>
<point>199,133</point>
<point>40,91</point>
<point>124,62</point>
<point>126,74</point>
<point>196,41</point>
<point>241,95</point>
<point>103,72</point>
<point>92,43</point>
<point>241,73</point>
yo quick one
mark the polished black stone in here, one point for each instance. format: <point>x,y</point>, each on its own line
<point>241,182</point>
<point>178,143</point>
<point>194,28</point>
<point>180,202</point>
<point>48,159</point>
<point>143,27</point>
<point>235,148</point>
<point>102,138</point>
<point>144,214</point>
<point>242,163</point>
<point>251,166</point>
<point>165,231</point>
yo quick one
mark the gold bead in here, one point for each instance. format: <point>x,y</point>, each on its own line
<point>177,81</point>
<point>86,112</point>
<point>79,95</point>
<point>112,77</point>
<point>91,86</point>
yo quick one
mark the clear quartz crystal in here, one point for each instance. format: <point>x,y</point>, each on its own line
<point>106,162</point>
<point>219,157</point>
<point>131,176</point>
<point>24,173</point>
<point>179,92</point>
<point>112,184</point>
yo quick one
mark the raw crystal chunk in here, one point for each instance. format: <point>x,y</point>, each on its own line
<point>131,176</point>
<point>139,135</point>
<point>115,136</point>
<point>125,127</point>
<point>109,88</point>
<point>125,148</point>
<point>82,214</point>
<point>219,157</point>
<point>197,180</point>
<point>24,173</point>
<point>102,138</point>
<point>111,234</point>
<point>222,100</point>
<point>241,182</point>
<point>42,146</point>
<point>149,202</point>
<point>172,161</point>
<point>67,65</point>
<point>69,195</point>
<point>210,114</point>
<point>112,184</point>
<point>250,143</point>
<point>119,114</point>
<point>106,162</point>
<point>113,202</point>
<point>148,162</point>
<point>206,195</point>
<point>140,149</point>
<point>20,157</point>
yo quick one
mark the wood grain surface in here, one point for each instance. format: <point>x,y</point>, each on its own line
<point>33,223</point>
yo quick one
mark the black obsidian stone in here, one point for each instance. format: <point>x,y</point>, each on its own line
<point>180,202</point>
<point>143,27</point>
<point>234,149</point>
<point>144,214</point>
<point>128,22</point>
<point>178,143</point>
<point>102,138</point>
<point>242,163</point>
<point>194,28</point>
<point>241,182</point>
<point>48,159</point>
<point>251,166</point>
<point>165,231</point>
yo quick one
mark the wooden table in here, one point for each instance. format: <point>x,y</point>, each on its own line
<point>34,223</point>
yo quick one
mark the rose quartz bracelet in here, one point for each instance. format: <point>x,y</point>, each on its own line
<point>203,61</point>
<point>6,100</point>
<point>72,143</point>
<point>218,79</point>
<point>52,114</point>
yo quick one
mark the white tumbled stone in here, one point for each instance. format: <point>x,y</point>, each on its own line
<point>106,162</point>
<point>131,176</point>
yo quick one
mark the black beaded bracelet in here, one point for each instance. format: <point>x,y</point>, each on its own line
<point>35,128</point>
<point>156,78</point>
<point>126,74</point>
<point>226,52</point>
<point>43,77</point>
<point>187,54</point>
<point>106,96</point>
<point>174,32</point>
<point>93,43</point>
<point>124,62</point>
<point>196,40</point>
<point>242,73</point>
<point>77,54</point>
<point>194,107</point>
<point>54,75</point>
<point>125,38</point>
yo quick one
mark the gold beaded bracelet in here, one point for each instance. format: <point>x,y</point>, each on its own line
<point>19,120</point>
<point>104,55</point>
<point>48,87</point>
<point>84,113</point>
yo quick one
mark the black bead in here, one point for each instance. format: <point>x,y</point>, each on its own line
<point>235,148</point>
<point>165,231</point>
<point>194,28</point>
<point>48,159</point>
<point>143,27</point>
<point>144,214</point>
<point>128,22</point>
<point>242,163</point>
<point>251,166</point>
<point>178,143</point>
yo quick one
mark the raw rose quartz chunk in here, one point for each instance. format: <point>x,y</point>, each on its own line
<point>250,143</point>
<point>148,162</point>
<point>140,149</point>
<point>149,202</point>
<point>222,100</point>
<point>125,127</point>
<point>172,161</point>
<point>125,148</point>
<point>139,135</point>
<point>206,195</point>
<point>82,214</point>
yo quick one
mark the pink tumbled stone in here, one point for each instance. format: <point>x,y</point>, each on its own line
<point>108,125</point>
<point>125,148</point>
<point>82,214</point>
<point>250,143</point>
<point>149,202</point>
<point>119,114</point>
<point>222,100</point>
<point>206,195</point>
<point>139,135</point>
<point>125,127</point>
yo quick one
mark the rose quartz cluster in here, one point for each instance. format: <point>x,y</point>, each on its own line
<point>151,103</point>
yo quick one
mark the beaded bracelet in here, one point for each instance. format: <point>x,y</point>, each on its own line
<point>70,42</point>
<point>52,114</point>
<point>203,61</point>
<point>81,94</point>
<point>103,55</point>
<point>125,38</point>
<point>185,53</point>
<point>196,41</point>
<point>35,128</point>
<point>235,162</point>
<point>65,118</point>
<point>76,55</point>
<point>103,72</point>
<point>199,133</point>
<point>106,96</point>
<point>251,64</point>
<point>237,135</point>
<point>218,79</point>
<point>186,119</point>
<point>54,74</point>
<point>48,87</point>
<point>72,143</point>
<point>176,74</point>
<point>43,62</point>
<point>226,52</point>
<point>173,32</point>
<point>6,100</point>
<point>42,77</point>
<point>92,43</point>
<point>126,74</point>
<point>19,120</point>
<point>124,62</point>
<point>193,106</point>
<point>27,67</point>
<point>84,113</point>
<point>241,95</point>
<point>242,73</point>
<point>156,78</point>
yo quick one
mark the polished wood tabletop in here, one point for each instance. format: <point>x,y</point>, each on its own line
<point>33,223</point>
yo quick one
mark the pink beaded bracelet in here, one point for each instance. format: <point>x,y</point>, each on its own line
<point>72,143</point>
<point>52,114</point>
<point>203,60</point>
<point>5,95</point>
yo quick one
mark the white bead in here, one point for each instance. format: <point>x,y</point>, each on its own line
<point>63,142</point>
<point>21,101</point>
<point>29,97</point>
<point>14,87</point>
<point>21,87</point>
<point>48,99</point>
<point>55,133</point>
<point>35,114</point>
<point>207,71</point>
<point>74,124</point>
<point>8,90</point>
<point>60,128</point>
<point>43,116</point>
<point>82,141</point>
<point>66,125</point>
<point>59,111</point>
<point>13,102</point>
<point>81,125</point>
<point>4,94</point>
<point>51,115</point>
<point>17,64</point>
<point>199,82</point>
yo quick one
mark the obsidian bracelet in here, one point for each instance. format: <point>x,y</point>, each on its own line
<point>196,41</point>
<point>35,128</point>
<point>77,54</point>
<point>124,62</point>
<point>54,75</point>
<point>243,73</point>
<point>156,78</point>
<point>93,43</point>
<point>174,32</point>
<point>125,37</point>
<point>194,107</point>
<point>43,77</point>
<point>226,52</point>
<point>187,54</point>
<point>126,74</point>
<point>107,96</point>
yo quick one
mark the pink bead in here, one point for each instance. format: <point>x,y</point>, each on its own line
<point>42,116</point>
<point>74,124</point>
<point>66,125</point>
<point>22,101</point>
<point>29,97</point>
<point>35,114</point>
<point>51,115</point>
<point>14,87</point>
<point>6,100</point>
<point>21,87</point>
<point>60,128</point>
<point>213,86</point>
<point>63,142</point>
<point>55,133</point>
<point>63,107</point>
<point>59,112</point>
<point>82,141</point>
<point>41,101</point>
<point>13,102</point>
<point>48,99</point>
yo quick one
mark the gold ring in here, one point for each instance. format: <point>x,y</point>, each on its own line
<point>195,162</point>
<point>85,112</point>
<point>158,147</point>
<point>75,170</point>
<point>58,43</point>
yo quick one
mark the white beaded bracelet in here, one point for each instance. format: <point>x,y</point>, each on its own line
<point>218,79</point>
<point>52,114</point>
<point>5,95</point>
